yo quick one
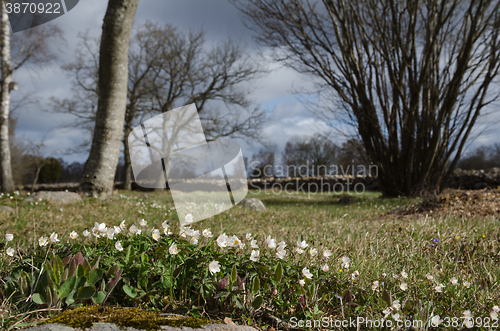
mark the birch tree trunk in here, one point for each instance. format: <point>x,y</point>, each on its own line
<point>101,165</point>
<point>6,179</point>
<point>127,184</point>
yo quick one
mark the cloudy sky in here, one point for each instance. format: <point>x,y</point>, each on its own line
<point>220,20</point>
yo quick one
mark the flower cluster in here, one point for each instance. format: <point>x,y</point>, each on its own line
<point>318,261</point>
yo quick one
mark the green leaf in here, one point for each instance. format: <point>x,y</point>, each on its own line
<point>347,296</point>
<point>386,296</point>
<point>27,279</point>
<point>80,272</point>
<point>144,257</point>
<point>51,282</point>
<point>50,271</point>
<point>130,291</point>
<point>49,296</point>
<point>112,283</point>
<point>80,282</point>
<point>86,266</point>
<point>59,268</point>
<point>142,270</point>
<point>95,263</point>
<point>70,299</point>
<point>85,292</point>
<point>278,273</point>
<point>257,302</point>
<point>317,311</point>
<point>237,303</point>
<point>130,253</point>
<point>23,286</point>
<point>177,271</point>
<point>112,271</point>
<point>234,274</point>
<point>99,297</point>
<point>256,285</point>
<point>66,287</point>
<point>94,275</point>
<point>64,275</point>
<point>43,283</point>
<point>37,298</point>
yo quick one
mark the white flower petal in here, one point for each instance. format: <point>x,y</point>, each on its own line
<point>214,267</point>
<point>118,246</point>
<point>307,273</point>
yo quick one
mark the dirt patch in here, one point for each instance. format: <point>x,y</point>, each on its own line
<point>456,202</point>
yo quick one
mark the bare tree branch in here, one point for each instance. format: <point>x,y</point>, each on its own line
<point>412,77</point>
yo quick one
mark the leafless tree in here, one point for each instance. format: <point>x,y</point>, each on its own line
<point>483,157</point>
<point>37,155</point>
<point>167,69</point>
<point>352,154</point>
<point>112,97</point>
<point>317,153</point>
<point>84,74</point>
<point>31,46</point>
<point>411,76</point>
<point>263,163</point>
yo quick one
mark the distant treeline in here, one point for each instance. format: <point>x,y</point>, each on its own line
<point>72,172</point>
<point>319,155</point>
<point>298,151</point>
<point>483,157</point>
<point>57,171</point>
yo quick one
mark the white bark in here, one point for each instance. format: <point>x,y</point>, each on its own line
<point>6,180</point>
<point>99,173</point>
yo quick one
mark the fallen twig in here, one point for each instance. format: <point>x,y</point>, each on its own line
<point>36,311</point>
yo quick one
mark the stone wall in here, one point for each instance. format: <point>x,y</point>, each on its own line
<point>474,179</point>
<point>327,184</point>
<point>461,179</point>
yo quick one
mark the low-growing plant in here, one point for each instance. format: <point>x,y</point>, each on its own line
<point>379,270</point>
<point>73,280</point>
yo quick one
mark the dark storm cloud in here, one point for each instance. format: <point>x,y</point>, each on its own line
<point>218,18</point>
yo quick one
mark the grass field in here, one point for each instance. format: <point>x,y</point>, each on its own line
<point>383,265</point>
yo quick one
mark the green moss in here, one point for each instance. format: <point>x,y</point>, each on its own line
<point>85,317</point>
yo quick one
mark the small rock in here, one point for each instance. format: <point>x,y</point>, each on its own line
<point>7,210</point>
<point>253,204</point>
<point>55,197</point>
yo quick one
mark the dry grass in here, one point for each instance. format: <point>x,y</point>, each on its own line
<point>376,241</point>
